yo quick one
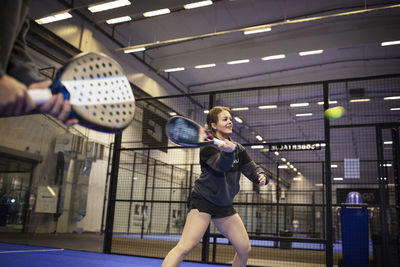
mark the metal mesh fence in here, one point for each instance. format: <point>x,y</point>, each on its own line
<point>282,129</point>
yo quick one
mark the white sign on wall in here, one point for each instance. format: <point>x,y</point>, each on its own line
<point>47,199</point>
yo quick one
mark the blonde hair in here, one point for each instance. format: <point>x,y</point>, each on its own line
<point>212,116</point>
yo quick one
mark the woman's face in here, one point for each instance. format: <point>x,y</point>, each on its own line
<point>224,125</point>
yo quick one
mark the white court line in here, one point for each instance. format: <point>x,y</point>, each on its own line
<point>275,263</point>
<point>33,250</point>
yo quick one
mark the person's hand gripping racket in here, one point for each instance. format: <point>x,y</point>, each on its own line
<point>56,106</point>
<point>227,146</point>
<point>91,89</point>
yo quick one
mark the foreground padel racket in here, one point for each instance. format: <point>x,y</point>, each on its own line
<point>185,132</point>
<point>99,92</point>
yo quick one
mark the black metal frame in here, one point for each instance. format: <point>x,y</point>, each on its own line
<point>327,204</point>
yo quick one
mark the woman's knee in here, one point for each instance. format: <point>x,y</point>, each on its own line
<point>185,249</point>
<point>244,250</point>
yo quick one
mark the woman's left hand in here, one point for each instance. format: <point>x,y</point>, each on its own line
<point>262,180</point>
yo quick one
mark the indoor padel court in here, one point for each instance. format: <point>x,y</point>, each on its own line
<point>200,133</point>
<point>22,255</point>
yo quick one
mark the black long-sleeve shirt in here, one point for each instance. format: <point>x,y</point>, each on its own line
<point>14,25</point>
<point>221,171</point>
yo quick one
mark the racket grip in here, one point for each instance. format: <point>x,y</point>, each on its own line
<point>40,96</point>
<point>218,142</point>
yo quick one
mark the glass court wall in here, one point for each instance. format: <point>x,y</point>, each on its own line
<point>296,220</point>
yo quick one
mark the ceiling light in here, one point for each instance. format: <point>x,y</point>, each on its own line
<point>156,12</point>
<point>267,107</point>
<point>273,57</point>
<point>56,17</point>
<point>390,43</point>
<point>333,166</point>
<point>297,179</point>
<point>118,20</point>
<point>303,114</point>
<point>239,120</point>
<point>174,69</point>
<point>238,61</point>
<point>294,169</point>
<point>294,105</point>
<point>313,52</point>
<point>109,5</point>
<point>394,109</point>
<point>204,66</point>
<point>278,23</point>
<point>360,100</point>
<point>330,102</point>
<point>283,159</point>
<point>259,138</point>
<point>392,97</point>
<point>257,147</point>
<point>319,185</point>
<point>172,113</point>
<point>282,167</point>
<point>206,111</point>
<point>388,142</point>
<point>298,173</point>
<point>291,166</point>
<point>338,178</point>
<point>268,29</point>
<point>387,165</point>
<point>288,163</point>
<point>198,4</point>
<point>239,109</point>
<point>276,153</point>
<point>134,50</point>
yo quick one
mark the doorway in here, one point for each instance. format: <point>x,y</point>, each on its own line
<point>15,180</point>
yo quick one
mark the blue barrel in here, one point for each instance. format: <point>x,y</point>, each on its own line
<point>355,229</point>
<point>353,198</point>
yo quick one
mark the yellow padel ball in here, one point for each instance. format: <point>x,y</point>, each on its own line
<point>334,113</point>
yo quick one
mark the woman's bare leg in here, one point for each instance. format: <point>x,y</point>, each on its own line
<point>233,228</point>
<point>195,226</point>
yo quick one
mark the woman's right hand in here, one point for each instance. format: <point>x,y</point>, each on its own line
<point>227,146</point>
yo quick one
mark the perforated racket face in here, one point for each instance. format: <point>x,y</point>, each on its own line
<point>186,132</point>
<point>100,93</point>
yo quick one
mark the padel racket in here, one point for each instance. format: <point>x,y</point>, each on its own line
<point>99,92</point>
<point>186,132</point>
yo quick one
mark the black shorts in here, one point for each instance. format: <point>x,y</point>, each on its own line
<point>197,201</point>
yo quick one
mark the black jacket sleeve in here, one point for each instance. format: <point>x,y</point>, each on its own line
<point>216,159</point>
<point>14,26</point>
<point>248,167</point>
<point>21,66</point>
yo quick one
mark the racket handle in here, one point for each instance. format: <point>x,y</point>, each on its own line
<point>40,96</point>
<point>218,142</point>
